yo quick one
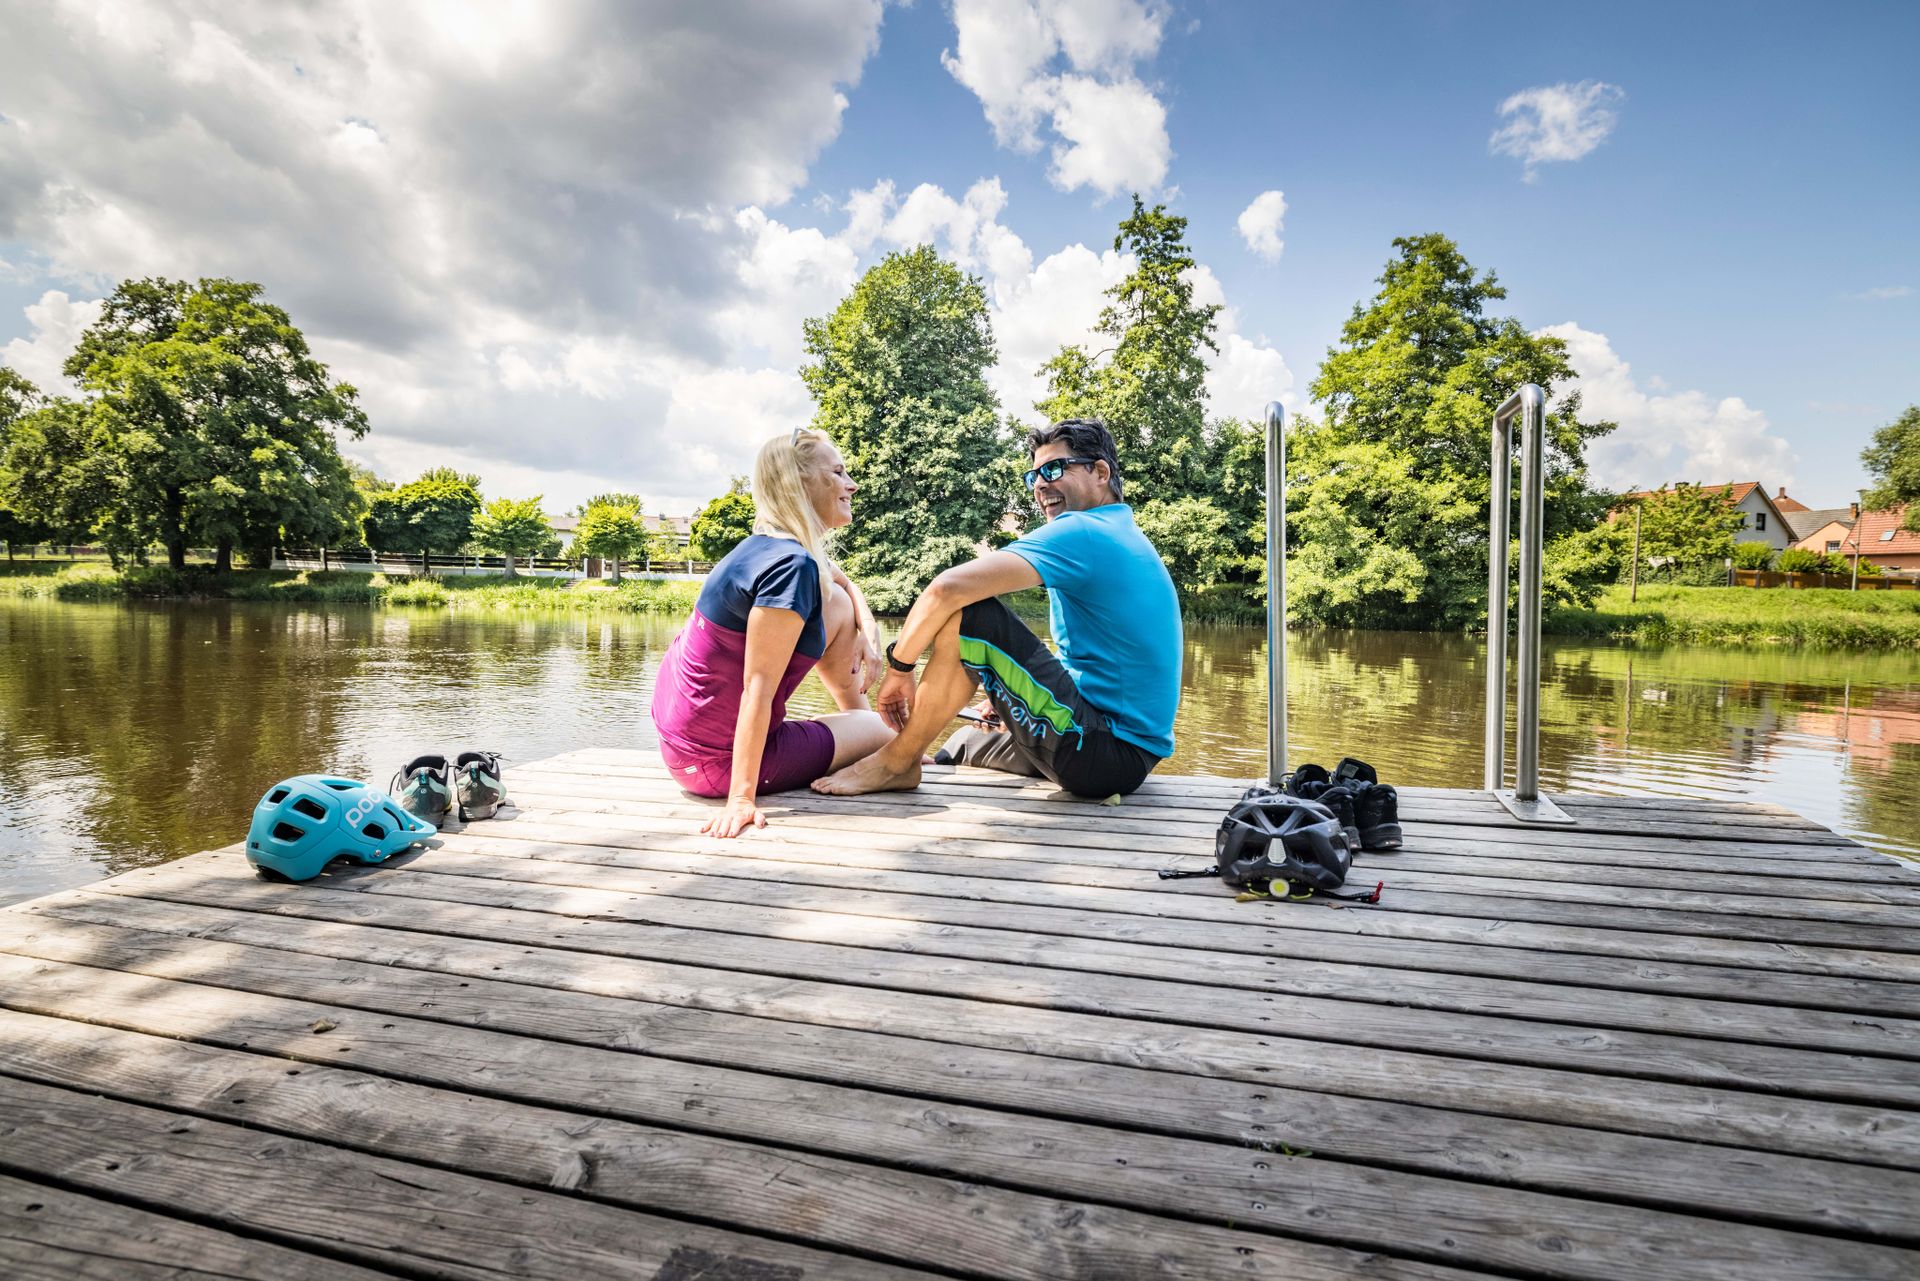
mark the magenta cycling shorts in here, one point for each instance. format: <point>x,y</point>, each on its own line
<point>797,752</point>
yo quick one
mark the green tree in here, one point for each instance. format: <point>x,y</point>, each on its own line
<point>1752,555</point>
<point>431,515</point>
<point>218,416</point>
<point>898,373</point>
<point>1688,525</point>
<point>57,479</point>
<point>512,527</point>
<point>1394,478</point>
<point>722,524</point>
<point>1893,460</point>
<point>1149,384</point>
<point>611,529</point>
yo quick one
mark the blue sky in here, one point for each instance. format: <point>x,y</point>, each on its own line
<point>536,262</point>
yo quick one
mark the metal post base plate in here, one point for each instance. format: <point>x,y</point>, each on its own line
<point>1539,810</point>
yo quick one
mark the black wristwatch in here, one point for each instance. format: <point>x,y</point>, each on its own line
<point>895,663</point>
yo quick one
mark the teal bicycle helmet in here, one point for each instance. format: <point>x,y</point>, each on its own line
<point>304,823</point>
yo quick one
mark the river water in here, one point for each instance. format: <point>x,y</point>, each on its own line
<point>132,734</point>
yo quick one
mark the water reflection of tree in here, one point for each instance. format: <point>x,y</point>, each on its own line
<point>152,716</point>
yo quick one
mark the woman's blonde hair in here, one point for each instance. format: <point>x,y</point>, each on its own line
<point>780,502</point>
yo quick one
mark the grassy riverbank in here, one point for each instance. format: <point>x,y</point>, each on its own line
<point>1747,616</point>
<point>491,593</point>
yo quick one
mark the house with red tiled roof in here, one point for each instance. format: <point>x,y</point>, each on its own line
<point>1763,520</point>
<point>1882,540</point>
<point>1788,506</point>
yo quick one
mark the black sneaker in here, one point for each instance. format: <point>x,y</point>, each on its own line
<point>1376,807</point>
<point>422,789</point>
<point>478,784</point>
<point>1313,783</point>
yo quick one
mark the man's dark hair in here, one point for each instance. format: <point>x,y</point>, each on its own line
<point>1087,438</point>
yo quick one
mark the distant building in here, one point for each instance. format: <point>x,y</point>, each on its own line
<point>673,530</point>
<point>1884,542</point>
<point>1762,520</point>
<point>1787,506</point>
<point>1824,529</point>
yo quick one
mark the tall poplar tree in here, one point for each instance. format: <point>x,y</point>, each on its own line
<point>898,373</point>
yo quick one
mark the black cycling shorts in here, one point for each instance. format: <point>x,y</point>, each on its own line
<point>1051,730</point>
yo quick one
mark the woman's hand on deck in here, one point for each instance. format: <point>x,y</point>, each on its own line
<point>740,814</point>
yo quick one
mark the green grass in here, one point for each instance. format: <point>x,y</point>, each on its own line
<point>491,593</point>
<point>1813,617</point>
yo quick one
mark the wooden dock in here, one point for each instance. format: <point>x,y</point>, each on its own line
<point>966,1032</point>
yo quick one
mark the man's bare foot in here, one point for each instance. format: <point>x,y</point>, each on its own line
<point>868,774</point>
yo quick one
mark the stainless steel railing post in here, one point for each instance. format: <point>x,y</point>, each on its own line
<point>1276,592</point>
<point>1524,801</point>
<point>1501,505</point>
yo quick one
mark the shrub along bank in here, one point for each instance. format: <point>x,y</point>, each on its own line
<point>1735,616</point>
<point>498,593</point>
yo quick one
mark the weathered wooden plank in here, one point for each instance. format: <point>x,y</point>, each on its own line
<point>1176,789</point>
<point>1877,951</point>
<point>1266,932</point>
<point>50,1234</point>
<point>1767,1186</point>
<point>1773,895</point>
<point>368,1209</point>
<point>623,1159</point>
<point>604,1149</point>
<point>1773,1122</point>
<point>847,819</point>
<point>1093,951</point>
<point>1816,874</point>
<point>957,804</point>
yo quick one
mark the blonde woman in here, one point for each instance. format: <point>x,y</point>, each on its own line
<point>774,608</point>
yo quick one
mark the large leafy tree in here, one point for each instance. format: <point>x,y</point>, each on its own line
<point>218,416</point>
<point>722,524</point>
<point>898,372</point>
<point>431,515</point>
<point>1388,494</point>
<point>1893,460</point>
<point>512,527</point>
<point>1149,382</point>
<point>1197,485</point>
<point>610,528</point>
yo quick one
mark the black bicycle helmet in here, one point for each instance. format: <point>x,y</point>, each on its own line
<point>1269,836</point>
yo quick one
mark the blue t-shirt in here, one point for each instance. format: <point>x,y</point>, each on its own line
<point>1116,618</point>
<point>775,573</point>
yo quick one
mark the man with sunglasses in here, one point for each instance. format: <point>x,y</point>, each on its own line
<point>1096,718</point>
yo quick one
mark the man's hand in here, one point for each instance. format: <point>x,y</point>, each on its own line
<point>896,698</point>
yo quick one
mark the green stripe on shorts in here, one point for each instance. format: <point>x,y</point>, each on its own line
<point>1020,684</point>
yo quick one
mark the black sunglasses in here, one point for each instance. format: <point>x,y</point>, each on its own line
<point>1054,468</point>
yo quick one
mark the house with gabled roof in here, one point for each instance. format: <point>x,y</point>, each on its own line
<point>1883,541</point>
<point>1763,521</point>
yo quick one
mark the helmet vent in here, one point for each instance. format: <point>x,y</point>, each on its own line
<point>374,832</point>
<point>311,808</point>
<point>342,787</point>
<point>277,795</point>
<point>287,832</point>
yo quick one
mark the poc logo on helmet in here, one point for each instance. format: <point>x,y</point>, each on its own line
<point>366,805</point>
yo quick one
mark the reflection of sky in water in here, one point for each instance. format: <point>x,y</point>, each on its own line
<point>131,735</point>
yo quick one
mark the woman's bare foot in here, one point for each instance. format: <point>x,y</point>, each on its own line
<point>868,774</point>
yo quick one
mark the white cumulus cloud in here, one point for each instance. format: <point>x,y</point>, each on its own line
<point>523,231</point>
<point>1667,436</point>
<point>1068,69</point>
<point>57,322</point>
<point>1261,223</point>
<point>1550,123</point>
